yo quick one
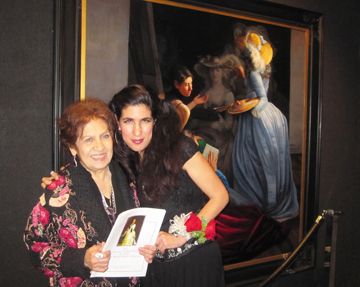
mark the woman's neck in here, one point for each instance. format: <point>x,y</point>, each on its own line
<point>217,85</point>
<point>141,155</point>
<point>216,89</point>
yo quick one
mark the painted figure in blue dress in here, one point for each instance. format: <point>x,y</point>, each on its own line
<point>261,157</point>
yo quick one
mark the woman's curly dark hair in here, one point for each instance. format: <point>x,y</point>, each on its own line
<point>159,171</point>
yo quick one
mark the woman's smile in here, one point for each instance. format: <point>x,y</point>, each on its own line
<point>99,157</point>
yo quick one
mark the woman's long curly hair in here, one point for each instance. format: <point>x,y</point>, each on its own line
<point>158,173</point>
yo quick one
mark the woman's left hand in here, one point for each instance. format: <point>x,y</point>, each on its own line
<point>200,100</point>
<point>149,252</point>
<point>166,241</point>
<point>212,160</point>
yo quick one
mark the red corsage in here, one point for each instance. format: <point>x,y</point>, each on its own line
<point>210,231</point>
<point>201,228</point>
<point>193,223</point>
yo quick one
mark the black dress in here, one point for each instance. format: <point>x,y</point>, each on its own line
<point>193,264</point>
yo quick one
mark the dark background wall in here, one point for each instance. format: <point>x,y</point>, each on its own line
<point>26,67</point>
<point>26,71</point>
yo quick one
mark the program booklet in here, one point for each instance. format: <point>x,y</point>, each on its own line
<point>133,228</point>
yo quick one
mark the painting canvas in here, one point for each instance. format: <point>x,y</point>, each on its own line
<point>163,36</point>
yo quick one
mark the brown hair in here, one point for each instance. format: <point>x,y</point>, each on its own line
<point>77,115</point>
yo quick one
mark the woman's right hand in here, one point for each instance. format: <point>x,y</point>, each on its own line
<point>47,180</point>
<point>200,99</point>
<point>95,259</point>
<point>166,241</point>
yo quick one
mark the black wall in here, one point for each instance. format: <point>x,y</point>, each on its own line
<point>26,68</point>
<point>26,83</point>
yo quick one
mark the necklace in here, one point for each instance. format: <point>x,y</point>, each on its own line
<point>110,210</point>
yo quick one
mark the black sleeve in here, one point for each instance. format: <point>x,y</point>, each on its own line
<point>72,263</point>
<point>190,148</point>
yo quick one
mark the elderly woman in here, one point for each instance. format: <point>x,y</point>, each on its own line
<point>66,230</point>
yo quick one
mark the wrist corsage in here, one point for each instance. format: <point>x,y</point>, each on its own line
<point>201,229</point>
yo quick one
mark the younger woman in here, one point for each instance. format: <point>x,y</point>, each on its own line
<point>167,171</point>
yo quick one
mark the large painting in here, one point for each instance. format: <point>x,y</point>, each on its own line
<point>166,34</point>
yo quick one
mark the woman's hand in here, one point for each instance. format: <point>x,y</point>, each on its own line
<point>47,180</point>
<point>197,101</point>
<point>149,252</point>
<point>96,260</point>
<point>200,100</point>
<point>212,160</point>
<point>166,241</point>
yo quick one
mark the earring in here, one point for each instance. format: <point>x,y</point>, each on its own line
<point>75,162</point>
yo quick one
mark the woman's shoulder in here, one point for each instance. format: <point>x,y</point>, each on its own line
<point>71,173</point>
<point>228,93</point>
<point>189,148</point>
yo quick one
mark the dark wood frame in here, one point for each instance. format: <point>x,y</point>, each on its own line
<point>67,53</point>
<point>67,50</point>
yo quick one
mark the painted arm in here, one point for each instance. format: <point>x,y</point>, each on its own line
<point>198,100</point>
<point>229,118</point>
<point>260,86</point>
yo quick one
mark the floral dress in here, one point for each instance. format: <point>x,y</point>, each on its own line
<point>70,218</point>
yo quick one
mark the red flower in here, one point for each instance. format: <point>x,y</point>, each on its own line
<point>70,281</point>
<point>61,180</point>
<point>52,185</point>
<point>210,230</point>
<point>48,272</point>
<point>43,216</point>
<point>55,183</point>
<point>65,235</point>
<point>39,246</point>
<point>193,223</point>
